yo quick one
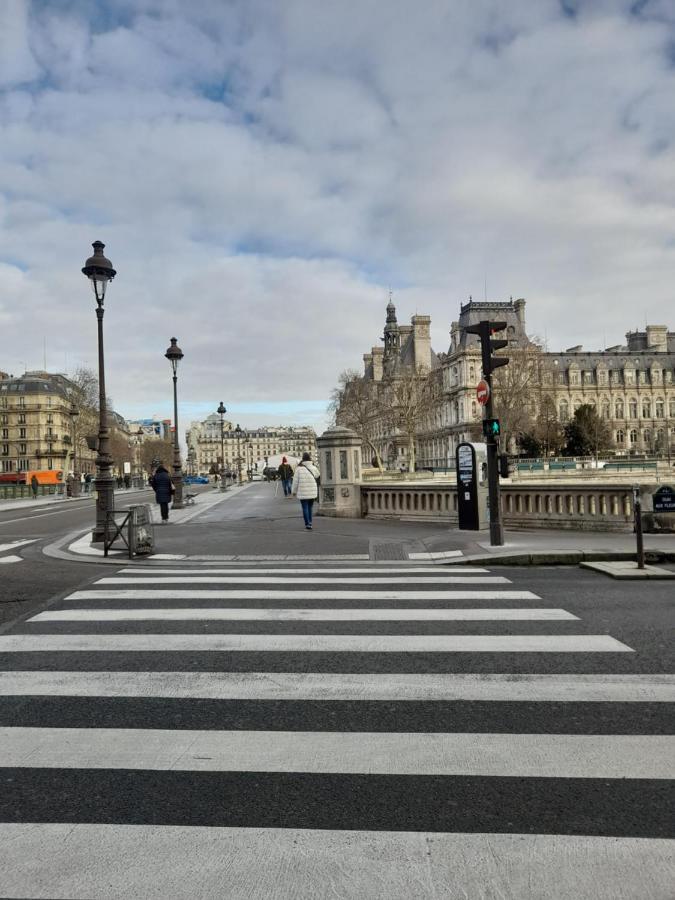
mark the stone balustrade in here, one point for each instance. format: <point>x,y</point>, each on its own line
<point>596,507</point>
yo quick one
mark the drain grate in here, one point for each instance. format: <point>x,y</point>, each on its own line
<point>388,551</point>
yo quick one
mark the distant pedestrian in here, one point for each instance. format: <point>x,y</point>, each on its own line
<point>87,483</point>
<point>163,487</point>
<point>34,486</point>
<point>286,476</point>
<point>127,481</point>
<point>305,487</point>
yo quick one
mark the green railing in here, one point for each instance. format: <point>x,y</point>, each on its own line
<point>24,491</point>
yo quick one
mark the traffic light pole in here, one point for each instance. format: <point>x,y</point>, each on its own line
<point>494,499</point>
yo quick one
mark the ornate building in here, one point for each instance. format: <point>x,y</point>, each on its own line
<point>631,385</point>
<point>36,426</point>
<point>252,445</point>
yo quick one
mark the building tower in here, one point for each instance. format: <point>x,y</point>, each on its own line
<point>392,340</point>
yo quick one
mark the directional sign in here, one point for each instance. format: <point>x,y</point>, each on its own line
<point>483,392</point>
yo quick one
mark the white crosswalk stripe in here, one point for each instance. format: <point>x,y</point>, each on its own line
<point>375,732</point>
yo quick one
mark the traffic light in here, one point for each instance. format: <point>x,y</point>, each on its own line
<point>503,465</point>
<point>491,428</point>
<point>485,330</point>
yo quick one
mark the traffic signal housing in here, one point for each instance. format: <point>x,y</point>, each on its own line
<point>491,428</point>
<point>485,331</point>
<point>503,465</point>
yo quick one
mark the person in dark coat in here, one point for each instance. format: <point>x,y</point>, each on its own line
<point>286,475</point>
<point>34,486</point>
<point>163,487</point>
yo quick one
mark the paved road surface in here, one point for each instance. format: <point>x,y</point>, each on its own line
<point>339,731</point>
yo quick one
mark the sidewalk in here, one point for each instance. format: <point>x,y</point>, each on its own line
<point>54,500</point>
<point>251,522</point>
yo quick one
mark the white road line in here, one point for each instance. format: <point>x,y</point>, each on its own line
<point>299,579</point>
<point>13,545</point>
<point>281,594</point>
<point>386,753</point>
<point>438,554</point>
<point>184,862</point>
<point>196,570</point>
<point>304,615</point>
<point>311,643</point>
<point>10,559</point>
<point>341,686</point>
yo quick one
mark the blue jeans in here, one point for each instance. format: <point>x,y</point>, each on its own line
<point>307,510</point>
<point>288,484</point>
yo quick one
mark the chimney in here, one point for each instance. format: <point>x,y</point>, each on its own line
<point>368,364</point>
<point>657,337</point>
<point>378,355</point>
<point>519,306</point>
<point>422,340</point>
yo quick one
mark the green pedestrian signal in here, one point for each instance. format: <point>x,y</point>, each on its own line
<point>491,428</point>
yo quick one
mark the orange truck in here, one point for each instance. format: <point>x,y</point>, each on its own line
<point>44,476</point>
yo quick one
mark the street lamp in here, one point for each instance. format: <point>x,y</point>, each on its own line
<point>250,460</point>
<point>238,432</point>
<point>174,354</point>
<point>99,271</point>
<point>221,412</point>
<point>75,486</point>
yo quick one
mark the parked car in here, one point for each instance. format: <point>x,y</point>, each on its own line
<point>195,479</point>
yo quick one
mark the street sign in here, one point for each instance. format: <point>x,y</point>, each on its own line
<point>664,499</point>
<point>483,392</point>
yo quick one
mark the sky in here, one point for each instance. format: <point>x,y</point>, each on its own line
<point>264,172</point>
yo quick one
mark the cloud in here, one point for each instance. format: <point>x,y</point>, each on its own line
<point>262,173</point>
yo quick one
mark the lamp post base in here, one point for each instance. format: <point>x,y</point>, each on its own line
<point>177,479</point>
<point>104,486</point>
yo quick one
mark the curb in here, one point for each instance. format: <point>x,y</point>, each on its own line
<point>558,558</point>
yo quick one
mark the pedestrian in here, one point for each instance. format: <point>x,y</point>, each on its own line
<point>87,483</point>
<point>34,486</point>
<point>306,487</point>
<point>163,487</point>
<point>127,481</point>
<point>286,475</point>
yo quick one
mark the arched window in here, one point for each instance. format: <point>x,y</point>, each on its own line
<point>660,438</point>
<point>646,409</point>
<point>564,412</point>
<point>620,436</point>
<point>659,409</point>
<point>605,409</point>
<point>632,409</point>
<point>647,436</point>
<point>633,436</point>
<point>618,409</point>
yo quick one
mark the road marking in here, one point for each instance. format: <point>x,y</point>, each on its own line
<point>10,559</point>
<point>13,545</point>
<point>280,573</point>
<point>341,686</point>
<point>38,516</point>
<point>181,862</point>
<point>281,594</point>
<point>439,554</point>
<point>384,753</point>
<point>312,643</point>
<point>298,579</point>
<point>304,615</point>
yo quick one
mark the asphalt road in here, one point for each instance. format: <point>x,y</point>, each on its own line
<point>186,731</point>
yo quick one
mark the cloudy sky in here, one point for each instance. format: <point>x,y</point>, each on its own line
<point>262,172</point>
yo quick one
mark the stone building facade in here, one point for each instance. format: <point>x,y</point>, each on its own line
<point>631,385</point>
<point>253,444</point>
<point>36,427</point>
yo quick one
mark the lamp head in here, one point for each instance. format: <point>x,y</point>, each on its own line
<point>99,271</point>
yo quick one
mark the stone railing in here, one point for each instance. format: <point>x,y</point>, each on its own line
<point>597,507</point>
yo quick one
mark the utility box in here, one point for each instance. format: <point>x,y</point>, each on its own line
<point>472,493</point>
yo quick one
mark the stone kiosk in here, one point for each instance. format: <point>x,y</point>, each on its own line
<point>340,467</point>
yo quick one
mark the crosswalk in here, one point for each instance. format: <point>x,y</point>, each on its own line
<point>329,731</point>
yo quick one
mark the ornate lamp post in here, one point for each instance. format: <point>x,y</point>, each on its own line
<point>221,412</point>
<point>250,460</point>
<point>99,271</point>
<point>174,354</point>
<point>75,486</point>
<point>238,432</point>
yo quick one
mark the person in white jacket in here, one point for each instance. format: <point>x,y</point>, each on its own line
<point>305,487</point>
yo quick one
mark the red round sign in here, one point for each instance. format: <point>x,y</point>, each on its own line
<point>483,392</point>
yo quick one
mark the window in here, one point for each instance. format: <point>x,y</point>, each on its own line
<point>574,378</point>
<point>671,409</point>
<point>615,377</point>
<point>5,449</point>
<point>23,465</point>
<point>564,412</point>
<point>22,432</point>
<point>632,409</point>
<point>656,376</point>
<point>605,409</point>
<point>659,409</point>
<point>647,436</point>
<point>618,409</point>
<point>588,378</point>
<point>22,418</point>
<point>5,434</point>
<point>22,448</point>
<point>602,376</point>
<point>633,436</point>
<point>4,419</point>
<point>620,436</point>
<point>474,409</point>
<point>646,409</point>
<point>629,376</point>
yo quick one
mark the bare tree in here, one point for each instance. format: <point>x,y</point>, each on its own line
<point>410,399</point>
<point>517,390</point>
<point>355,403</point>
<point>156,450</point>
